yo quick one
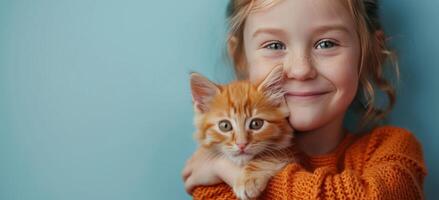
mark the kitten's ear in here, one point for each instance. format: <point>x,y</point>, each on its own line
<point>203,92</point>
<point>272,85</point>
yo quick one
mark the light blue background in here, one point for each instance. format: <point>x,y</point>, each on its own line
<point>94,94</point>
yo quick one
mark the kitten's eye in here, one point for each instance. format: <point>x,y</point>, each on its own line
<point>225,126</point>
<point>276,45</point>
<point>325,44</point>
<point>256,124</point>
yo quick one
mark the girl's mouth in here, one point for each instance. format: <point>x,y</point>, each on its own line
<point>307,95</point>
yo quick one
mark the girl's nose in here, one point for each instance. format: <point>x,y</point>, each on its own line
<point>300,68</point>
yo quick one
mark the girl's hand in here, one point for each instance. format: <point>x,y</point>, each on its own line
<point>200,169</point>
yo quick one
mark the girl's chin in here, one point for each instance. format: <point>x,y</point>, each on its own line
<point>304,124</point>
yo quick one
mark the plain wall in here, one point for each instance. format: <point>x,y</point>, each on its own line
<point>95,100</point>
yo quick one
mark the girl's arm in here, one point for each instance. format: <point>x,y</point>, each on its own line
<point>227,171</point>
<point>387,164</point>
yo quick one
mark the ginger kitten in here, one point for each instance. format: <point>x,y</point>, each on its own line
<point>247,124</point>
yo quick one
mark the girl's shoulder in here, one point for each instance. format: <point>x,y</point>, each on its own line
<point>389,132</point>
<point>387,140</point>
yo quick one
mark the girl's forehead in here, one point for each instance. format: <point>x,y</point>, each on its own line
<point>304,15</point>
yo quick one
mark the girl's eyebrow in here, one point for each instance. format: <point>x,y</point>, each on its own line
<point>318,30</point>
<point>327,28</point>
<point>272,31</point>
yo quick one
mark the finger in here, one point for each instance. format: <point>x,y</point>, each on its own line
<point>189,185</point>
<point>187,171</point>
<point>186,175</point>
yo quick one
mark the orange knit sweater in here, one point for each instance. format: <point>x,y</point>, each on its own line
<point>384,164</point>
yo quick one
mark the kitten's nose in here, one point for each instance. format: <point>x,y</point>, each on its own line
<point>241,145</point>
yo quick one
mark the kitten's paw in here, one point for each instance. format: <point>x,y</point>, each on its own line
<point>249,188</point>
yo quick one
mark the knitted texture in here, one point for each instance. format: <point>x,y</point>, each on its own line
<point>386,163</point>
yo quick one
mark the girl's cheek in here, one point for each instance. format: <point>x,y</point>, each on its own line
<point>260,67</point>
<point>342,72</point>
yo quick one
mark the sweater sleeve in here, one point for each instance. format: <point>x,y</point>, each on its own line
<point>386,164</point>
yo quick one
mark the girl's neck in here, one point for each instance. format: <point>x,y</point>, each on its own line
<point>323,140</point>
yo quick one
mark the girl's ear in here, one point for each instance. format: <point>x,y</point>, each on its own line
<point>231,46</point>
<point>271,86</point>
<point>237,55</point>
<point>203,92</point>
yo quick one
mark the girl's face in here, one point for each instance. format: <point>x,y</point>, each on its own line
<point>316,42</point>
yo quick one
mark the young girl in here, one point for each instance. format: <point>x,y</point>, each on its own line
<point>333,53</point>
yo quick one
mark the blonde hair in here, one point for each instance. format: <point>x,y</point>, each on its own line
<point>374,52</point>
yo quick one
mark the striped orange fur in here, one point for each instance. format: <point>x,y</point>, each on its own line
<point>247,124</point>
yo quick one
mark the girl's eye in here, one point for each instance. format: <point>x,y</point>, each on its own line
<point>256,124</point>
<point>225,125</point>
<point>277,45</point>
<point>325,44</point>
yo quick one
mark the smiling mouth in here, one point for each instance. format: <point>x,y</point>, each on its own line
<point>305,95</point>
